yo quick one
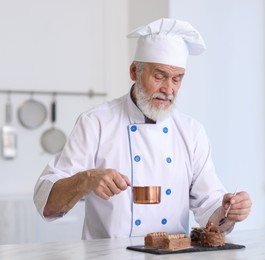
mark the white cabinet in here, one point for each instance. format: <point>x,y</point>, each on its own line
<point>17,219</point>
<point>21,223</point>
<point>65,229</point>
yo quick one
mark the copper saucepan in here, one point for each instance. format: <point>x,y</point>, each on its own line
<point>146,194</point>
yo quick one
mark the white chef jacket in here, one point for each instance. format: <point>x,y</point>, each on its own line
<point>174,154</point>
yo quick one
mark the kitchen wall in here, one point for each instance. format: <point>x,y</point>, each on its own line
<point>224,89</point>
<point>54,45</point>
<point>69,45</point>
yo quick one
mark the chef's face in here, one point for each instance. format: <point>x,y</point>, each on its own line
<point>156,87</point>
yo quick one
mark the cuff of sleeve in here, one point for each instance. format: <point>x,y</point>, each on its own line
<point>41,195</point>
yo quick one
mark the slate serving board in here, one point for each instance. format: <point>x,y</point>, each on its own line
<point>192,249</point>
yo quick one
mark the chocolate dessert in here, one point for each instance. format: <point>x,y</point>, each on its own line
<point>163,240</point>
<point>209,236</point>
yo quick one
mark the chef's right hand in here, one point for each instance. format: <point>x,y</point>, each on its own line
<point>106,182</point>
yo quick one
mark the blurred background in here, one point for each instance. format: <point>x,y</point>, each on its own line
<point>67,46</point>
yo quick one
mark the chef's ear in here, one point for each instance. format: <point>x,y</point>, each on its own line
<point>133,72</point>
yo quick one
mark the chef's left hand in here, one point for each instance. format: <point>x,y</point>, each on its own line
<point>241,206</point>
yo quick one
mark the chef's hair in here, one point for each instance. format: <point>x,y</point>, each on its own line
<point>139,65</point>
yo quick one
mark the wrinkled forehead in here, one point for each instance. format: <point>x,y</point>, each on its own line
<point>163,68</point>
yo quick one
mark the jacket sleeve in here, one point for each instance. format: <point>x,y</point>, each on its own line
<point>206,191</point>
<point>77,155</point>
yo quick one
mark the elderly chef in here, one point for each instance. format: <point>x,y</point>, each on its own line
<point>141,139</point>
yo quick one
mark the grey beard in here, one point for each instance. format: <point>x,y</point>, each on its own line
<point>144,104</point>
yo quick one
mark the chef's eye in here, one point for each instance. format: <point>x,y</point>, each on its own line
<point>177,80</point>
<point>159,76</point>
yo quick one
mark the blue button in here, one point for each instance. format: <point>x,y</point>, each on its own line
<point>168,191</point>
<point>133,128</point>
<point>165,130</point>
<point>137,158</point>
<point>164,221</point>
<point>169,160</point>
<point>137,222</point>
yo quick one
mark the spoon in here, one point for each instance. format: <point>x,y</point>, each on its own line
<point>223,220</point>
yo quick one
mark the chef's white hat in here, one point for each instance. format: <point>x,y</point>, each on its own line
<point>167,41</point>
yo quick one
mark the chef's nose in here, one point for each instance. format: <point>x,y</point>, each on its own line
<point>167,87</point>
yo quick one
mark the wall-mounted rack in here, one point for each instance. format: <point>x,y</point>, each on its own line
<point>90,93</point>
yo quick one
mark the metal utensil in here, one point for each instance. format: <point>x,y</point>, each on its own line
<point>32,113</point>
<point>146,194</point>
<point>53,139</point>
<point>9,135</point>
<point>223,220</point>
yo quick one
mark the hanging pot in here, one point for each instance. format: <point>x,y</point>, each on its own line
<point>32,113</point>
<point>53,139</point>
<point>9,135</point>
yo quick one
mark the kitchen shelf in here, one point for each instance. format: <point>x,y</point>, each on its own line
<point>90,93</point>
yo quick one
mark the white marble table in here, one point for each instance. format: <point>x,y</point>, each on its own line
<point>116,249</point>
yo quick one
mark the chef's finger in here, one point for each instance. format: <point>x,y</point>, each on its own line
<point>121,182</point>
<point>241,207</point>
<point>238,214</point>
<point>227,198</point>
<point>102,194</point>
<point>108,182</point>
<point>126,180</point>
<point>230,198</point>
<point>240,200</point>
<point>241,197</point>
<point>116,185</point>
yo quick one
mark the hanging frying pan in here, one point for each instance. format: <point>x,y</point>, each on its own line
<point>53,139</point>
<point>32,113</point>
